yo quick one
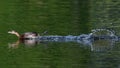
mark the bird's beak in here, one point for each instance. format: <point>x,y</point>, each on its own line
<point>9,32</point>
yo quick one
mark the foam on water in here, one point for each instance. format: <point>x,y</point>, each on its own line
<point>83,38</point>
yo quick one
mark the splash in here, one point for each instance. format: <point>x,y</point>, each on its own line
<point>98,39</point>
<point>87,39</point>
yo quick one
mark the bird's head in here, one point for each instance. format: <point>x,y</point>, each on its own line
<point>12,32</point>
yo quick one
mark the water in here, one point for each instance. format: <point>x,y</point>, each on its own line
<point>67,51</point>
<point>64,18</point>
<point>60,55</point>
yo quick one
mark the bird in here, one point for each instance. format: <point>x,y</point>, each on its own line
<point>26,35</point>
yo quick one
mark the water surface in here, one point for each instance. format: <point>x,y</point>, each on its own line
<point>58,17</point>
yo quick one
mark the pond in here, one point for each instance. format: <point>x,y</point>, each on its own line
<point>62,18</point>
<point>63,53</point>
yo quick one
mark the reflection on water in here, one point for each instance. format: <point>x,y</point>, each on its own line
<point>14,44</point>
<point>28,43</point>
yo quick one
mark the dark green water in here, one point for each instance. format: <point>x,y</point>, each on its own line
<point>58,17</point>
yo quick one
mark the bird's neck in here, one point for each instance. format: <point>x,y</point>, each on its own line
<point>17,34</point>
